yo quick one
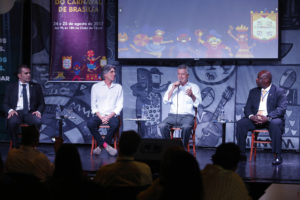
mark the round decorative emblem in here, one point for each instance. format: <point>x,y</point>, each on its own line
<point>213,75</point>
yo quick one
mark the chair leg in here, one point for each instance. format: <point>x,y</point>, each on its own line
<point>255,146</point>
<point>115,143</point>
<point>116,137</point>
<point>194,144</point>
<point>94,144</point>
<point>252,143</point>
<point>255,152</point>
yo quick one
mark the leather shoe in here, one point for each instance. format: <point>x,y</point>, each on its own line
<point>277,160</point>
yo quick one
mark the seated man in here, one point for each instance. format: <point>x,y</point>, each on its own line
<point>23,102</point>
<point>106,105</point>
<point>183,96</point>
<point>125,171</point>
<point>265,108</point>
<point>220,181</point>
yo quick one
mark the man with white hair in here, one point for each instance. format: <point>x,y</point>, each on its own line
<point>106,105</point>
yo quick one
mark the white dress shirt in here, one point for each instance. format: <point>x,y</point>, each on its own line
<point>106,100</point>
<point>185,103</point>
<point>262,109</point>
<point>20,96</point>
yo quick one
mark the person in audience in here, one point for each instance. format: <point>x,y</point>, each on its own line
<point>265,108</point>
<point>68,178</point>
<point>183,97</point>
<point>23,102</point>
<point>220,181</point>
<point>125,171</point>
<point>106,105</point>
<point>179,178</point>
<point>28,159</point>
<point>1,168</point>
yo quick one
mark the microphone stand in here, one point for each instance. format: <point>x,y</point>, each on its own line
<point>177,106</point>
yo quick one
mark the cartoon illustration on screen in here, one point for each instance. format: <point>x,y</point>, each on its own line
<point>156,47</point>
<point>152,45</point>
<point>139,41</point>
<point>122,38</point>
<point>264,25</point>
<point>182,48</point>
<point>214,45</point>
<point>242,39</point>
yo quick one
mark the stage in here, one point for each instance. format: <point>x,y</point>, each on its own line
<point>258,175</point>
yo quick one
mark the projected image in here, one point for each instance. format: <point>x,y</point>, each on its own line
<point>164,29</point>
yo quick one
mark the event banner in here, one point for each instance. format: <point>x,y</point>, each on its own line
<point>78,40</point>
<point>11,23</point>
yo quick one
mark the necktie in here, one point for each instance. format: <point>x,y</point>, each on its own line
<point>263,94</point>
<point>25,99</point>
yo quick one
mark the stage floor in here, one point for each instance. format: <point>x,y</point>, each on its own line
<point>259,171</point>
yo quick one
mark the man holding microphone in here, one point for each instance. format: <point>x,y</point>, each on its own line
<point>183,97</point>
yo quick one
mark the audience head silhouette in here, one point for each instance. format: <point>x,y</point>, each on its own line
<point>129,143</point>
<point>1,168</point>
<point>180,173</point>
<point>67,162</point>
<point>227,156</point>
<point>30,136</point>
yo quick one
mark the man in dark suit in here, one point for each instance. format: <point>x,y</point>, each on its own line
<point>23,102</point>
<point>265,108</point>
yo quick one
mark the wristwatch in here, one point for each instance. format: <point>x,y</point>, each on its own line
<point>269,118</point>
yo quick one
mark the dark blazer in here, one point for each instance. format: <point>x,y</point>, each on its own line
<point>37,102</point>
<point>276,103</point>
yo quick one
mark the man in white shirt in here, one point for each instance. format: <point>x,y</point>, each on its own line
<point>106,105</point>
<point>265,108</point>
<point>183,97</point>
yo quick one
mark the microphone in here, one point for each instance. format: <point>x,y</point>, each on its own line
<point>180,83</point>
<point>178,88</point>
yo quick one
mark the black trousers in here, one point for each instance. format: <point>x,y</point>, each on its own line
<point>93,124</point>
<point>14,122</point>
<point>275,128</point>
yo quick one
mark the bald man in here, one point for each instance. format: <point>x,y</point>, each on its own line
<point>265,108</point>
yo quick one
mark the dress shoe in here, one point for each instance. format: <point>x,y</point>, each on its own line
<point>277,160</point>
